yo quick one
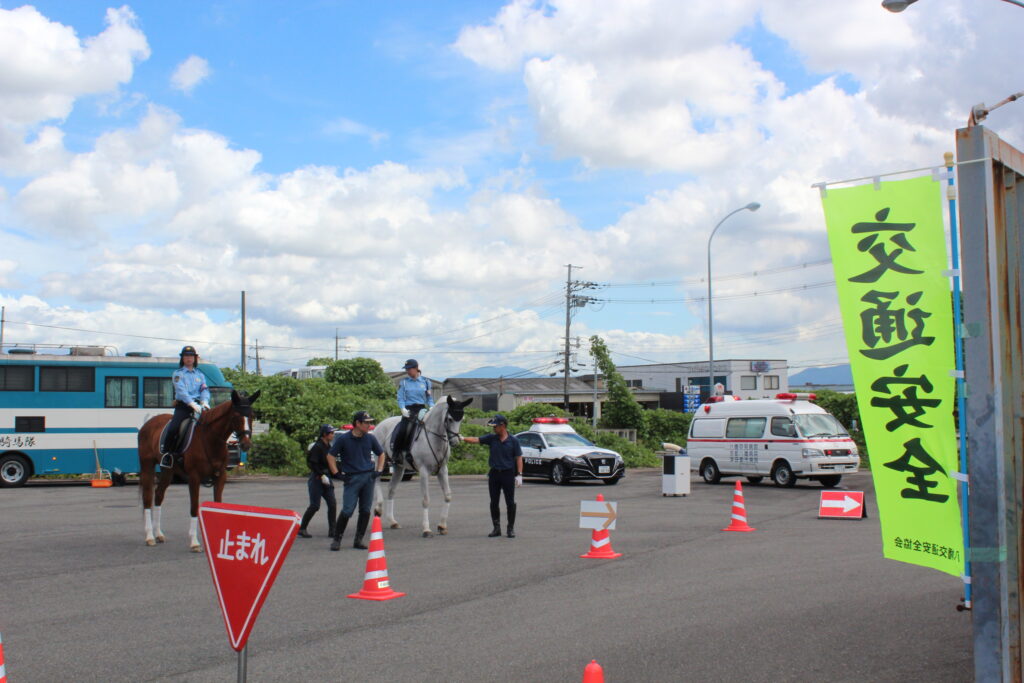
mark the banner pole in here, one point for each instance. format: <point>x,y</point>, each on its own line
<point>961,399</point>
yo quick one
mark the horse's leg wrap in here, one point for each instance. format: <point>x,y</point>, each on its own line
<point>147,518</point>
<point>193,534</point>
<point>157,531</point>
<point>389,513</point>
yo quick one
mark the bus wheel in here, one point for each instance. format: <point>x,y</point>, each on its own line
<point>14,470</point>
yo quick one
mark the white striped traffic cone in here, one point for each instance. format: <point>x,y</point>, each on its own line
<point>376,585</point>
<point>601,543</point>
<point>3,668</point>
<point>739,512</point>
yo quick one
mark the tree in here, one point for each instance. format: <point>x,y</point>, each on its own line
<point>620,410</point>
<point>322,360</point>
<point>365,373</point>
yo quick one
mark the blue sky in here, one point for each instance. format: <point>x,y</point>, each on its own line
<point>426,166</point>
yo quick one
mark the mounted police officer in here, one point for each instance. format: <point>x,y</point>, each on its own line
<point>322,467</point>
<point>191,398</point>
<point>414,400</point>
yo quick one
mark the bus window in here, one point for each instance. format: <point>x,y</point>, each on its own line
<point>121,392</point>
<point>157,392</point>
<point>66,379</point>
<point>17,378</point>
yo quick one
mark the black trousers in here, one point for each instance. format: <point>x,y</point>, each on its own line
<point>405,427</point>
<point>498,482</point>
<point>181,413</point>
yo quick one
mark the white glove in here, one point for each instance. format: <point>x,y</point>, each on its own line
<point>405,412</point>
<point>422,415</point>
<point>325,480</point>
<point>195,407</point>
<point>205,405</point>
<point>519,480</point>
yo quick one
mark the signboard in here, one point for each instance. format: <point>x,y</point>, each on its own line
<point>889,253</point>
<point>245,548</point>
<point>841,505</point>
<point>597,514</point>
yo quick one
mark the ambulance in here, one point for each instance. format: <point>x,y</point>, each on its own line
<point>785,438</point>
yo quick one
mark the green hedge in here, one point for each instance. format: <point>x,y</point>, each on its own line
<point>275,452</point>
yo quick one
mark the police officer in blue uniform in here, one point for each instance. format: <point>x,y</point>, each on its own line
<point>506,473</point>
<point>414,399</point>
<point>353,452</point>
<point>322,467</point>
<point>191,398</point>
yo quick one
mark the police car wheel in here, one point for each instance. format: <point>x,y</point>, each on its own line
<point>783,475</point>
<point>709,471</point>
<point>558,474</point>
<point>611,482</point>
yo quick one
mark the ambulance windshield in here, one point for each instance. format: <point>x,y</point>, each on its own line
<point>817,425</point>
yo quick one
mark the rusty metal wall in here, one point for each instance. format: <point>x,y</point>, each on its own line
<point>991,208</point>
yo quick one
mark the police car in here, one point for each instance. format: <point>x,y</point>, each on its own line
<point>553,450</point>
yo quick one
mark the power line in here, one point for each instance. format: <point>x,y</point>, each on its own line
<point>734,276</point>
<point>725,297</point>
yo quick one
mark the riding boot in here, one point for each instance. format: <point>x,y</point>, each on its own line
<point>308,515</point>
<point>496,531</point>
<point>511,521</point>
<point>361,524</point>
<point>339,531</point>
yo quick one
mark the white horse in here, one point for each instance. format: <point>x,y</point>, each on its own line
<point>431,447</point>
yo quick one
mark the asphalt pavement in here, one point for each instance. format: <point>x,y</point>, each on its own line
<point>799,599</point>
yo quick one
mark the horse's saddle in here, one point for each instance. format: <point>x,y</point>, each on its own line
<point>177,443</point>
<point>397,449</point>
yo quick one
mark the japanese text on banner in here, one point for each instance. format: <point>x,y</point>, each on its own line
<point>889,253</point>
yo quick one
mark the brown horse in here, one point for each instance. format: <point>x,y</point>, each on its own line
<point>206,458</point>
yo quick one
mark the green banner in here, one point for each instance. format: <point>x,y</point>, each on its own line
<point>889,253</point>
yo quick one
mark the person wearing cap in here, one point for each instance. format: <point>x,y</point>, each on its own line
<point>353,452</point>
<point>322,467</point>
<point>413,396</point>
<point>506,473</point>
<point>191,398</point>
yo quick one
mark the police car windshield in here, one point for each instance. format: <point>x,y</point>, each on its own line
<point>818,425</point>
<point>567,440</point>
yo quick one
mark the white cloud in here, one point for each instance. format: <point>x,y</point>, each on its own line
<point>190,73</point>
<point>342,127</point>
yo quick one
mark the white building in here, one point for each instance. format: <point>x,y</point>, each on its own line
<point>743,378</point>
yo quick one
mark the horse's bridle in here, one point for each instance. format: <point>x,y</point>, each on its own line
<point>451,435</point>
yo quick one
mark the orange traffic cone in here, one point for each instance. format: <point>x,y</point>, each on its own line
<point>601,543</point>
<point>3,669</point>
<point>739,512</point>
<point>593,673</point>
<point>375,584</point>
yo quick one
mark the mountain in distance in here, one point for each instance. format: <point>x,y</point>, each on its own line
<point>836,374</point>
<point>494,371</point>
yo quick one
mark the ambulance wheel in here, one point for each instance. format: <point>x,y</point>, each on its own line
<point>558,474</point>
<point>783,475</point>
<point>709,471</point>
<point>754,480</point>
<point>830,480</point>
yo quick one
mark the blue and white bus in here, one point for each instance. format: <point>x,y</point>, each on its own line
<point>60,413</point>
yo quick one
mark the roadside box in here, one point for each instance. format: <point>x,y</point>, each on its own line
<point>675,477</point>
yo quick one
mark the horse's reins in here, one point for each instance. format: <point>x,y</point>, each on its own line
<point>447,436</point>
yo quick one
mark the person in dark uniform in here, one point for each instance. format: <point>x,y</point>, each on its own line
<point>506,473</point>
<point>321,468</point>
<point>353,452</point>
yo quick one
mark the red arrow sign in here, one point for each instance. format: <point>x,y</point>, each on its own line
<point>245,547</point>
<point>842,505</point>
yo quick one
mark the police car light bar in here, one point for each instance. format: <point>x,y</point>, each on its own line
<point>785,396</point>
<point>551,420</point>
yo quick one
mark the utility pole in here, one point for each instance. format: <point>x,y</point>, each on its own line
<point>593,418</point>
<point>258,372</point>
<point>335,343</point>
<point>572,301</point>
<point>3,313</point>
<point>243,333</point>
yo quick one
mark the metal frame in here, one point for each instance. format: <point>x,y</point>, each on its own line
<point>991,225</point>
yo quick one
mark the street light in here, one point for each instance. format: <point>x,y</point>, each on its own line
<point>752,206</point>
<point>900,5</point>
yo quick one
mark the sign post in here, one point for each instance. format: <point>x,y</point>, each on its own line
<point>245,548</point>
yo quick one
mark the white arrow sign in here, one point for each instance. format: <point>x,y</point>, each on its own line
<point>846,503</point>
